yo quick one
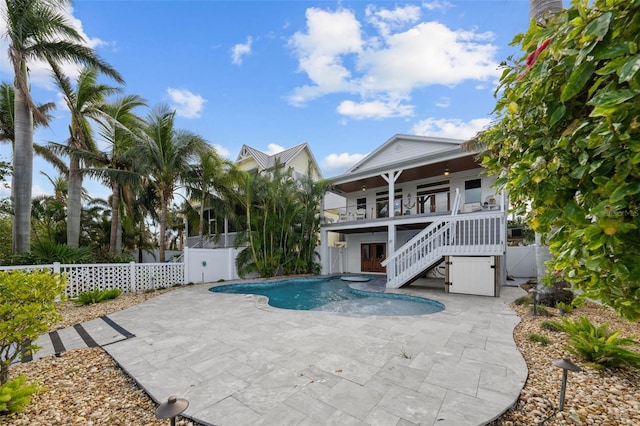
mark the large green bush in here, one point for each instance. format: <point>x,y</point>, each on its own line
<point>27,310</point>
<point>567,145</point>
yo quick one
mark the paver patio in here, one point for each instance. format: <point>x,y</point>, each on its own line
<point>240,361</point>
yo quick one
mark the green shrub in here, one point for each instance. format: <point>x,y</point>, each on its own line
<point>599,346</point>
<point>49,252</point>
<point>16,394</point>
<point>96,296</point>
<point>551,326</point>
<point>564,307</point>
<point>541,311</point>
<point>539,338</point>
<point>27,310</point>
<point>523,300</point>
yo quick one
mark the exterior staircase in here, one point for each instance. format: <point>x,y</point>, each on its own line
<point>473,234</point>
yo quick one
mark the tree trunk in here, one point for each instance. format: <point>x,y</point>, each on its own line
<point>115,217</point>
<point>74,203</point>
<point>22,174</point>
<point>201,227</point>
<point>539,8</point>
<point>163,224</point>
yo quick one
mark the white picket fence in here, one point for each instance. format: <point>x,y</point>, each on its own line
<point>128,277</point>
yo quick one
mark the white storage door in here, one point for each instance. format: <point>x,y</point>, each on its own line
<point>472,275</point>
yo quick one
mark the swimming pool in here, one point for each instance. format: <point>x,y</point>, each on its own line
<point>331,294</point>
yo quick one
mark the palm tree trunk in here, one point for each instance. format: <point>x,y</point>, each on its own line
<point>539,8</point>
<point>74,203</point>
<point>115,217</point>
<point>22,173</point>
<point>163,225</point>
<point>201,227</point>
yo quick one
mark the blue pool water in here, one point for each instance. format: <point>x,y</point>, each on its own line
<point>333,295</point>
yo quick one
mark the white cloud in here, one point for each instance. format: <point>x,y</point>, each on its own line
<point>377,109</point>
<point>450,128</point>
<point>386,20</point>
<point>187,104</point>
<point>240,50</point>
<point>341,161</point>
<point>329,36</point>
<point>273,148</point>
<point>39,71</point>
<point>399,55</point>
<point>443,102</point>
<point>222,151</point>
<point>435,5</point>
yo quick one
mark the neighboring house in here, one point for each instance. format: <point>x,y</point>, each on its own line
<point>402,216</point>
<point>298,159</point>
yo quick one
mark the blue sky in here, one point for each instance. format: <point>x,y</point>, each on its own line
<point>343,76</point>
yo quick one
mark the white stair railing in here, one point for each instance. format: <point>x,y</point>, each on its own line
<point>479,234</point>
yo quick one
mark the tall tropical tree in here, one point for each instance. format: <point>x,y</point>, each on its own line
<point>209,183</point>
<point>168,153</point>
<point>119,168</point>
<point>85,103</point>
<point>281,223</point>
<point>37,30</point>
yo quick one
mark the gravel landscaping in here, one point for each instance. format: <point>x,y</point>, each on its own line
<point>86,387</point>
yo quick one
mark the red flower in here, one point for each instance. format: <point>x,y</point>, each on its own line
<point>531,59</point>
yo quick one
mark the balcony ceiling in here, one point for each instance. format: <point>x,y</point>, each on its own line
<point>412,174</point>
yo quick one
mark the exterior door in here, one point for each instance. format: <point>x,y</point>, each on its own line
<point>472,275</point>
<point>371,255</point>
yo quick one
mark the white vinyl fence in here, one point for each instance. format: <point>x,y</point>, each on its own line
<point>521,261</point>
<point>128,277</point>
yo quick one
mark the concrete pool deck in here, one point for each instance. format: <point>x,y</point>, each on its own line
<point>239,361</point>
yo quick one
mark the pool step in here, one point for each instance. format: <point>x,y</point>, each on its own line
<point>98,332</point>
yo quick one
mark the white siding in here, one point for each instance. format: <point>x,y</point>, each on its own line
<point>403,151</point>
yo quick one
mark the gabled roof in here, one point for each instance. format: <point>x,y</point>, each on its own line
<point>390,151</point>
<point>418,157</point>
<point>266,161</point>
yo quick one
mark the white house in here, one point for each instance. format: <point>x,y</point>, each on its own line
<point>414,203</point>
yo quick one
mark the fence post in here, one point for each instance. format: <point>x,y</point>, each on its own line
<point>186,264</point>
<point>132,274</point>
<point>231,270</point>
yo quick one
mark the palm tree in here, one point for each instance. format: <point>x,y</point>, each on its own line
<point>121,129</point>
<point>167,153</point>
<point>209,183</point>
<point>36,30</point>
<point>84,103</point>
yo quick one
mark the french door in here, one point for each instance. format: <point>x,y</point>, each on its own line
<point>371,255</point>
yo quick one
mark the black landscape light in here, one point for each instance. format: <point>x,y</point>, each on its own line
<point>170,409</point>
<point>566,365</point>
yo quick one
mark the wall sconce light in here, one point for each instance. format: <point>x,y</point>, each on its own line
<point>364,187</point>
<point>446,171</point>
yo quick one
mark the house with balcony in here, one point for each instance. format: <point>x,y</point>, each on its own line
<point>417,203</point>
